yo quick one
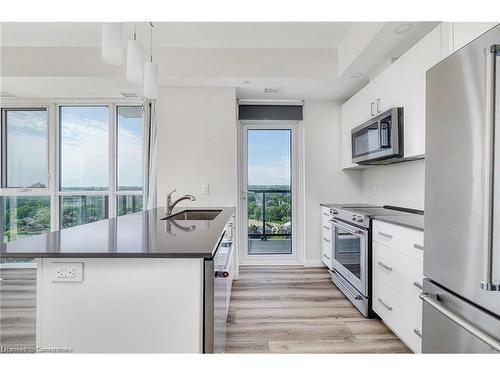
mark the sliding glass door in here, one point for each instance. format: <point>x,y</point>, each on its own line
<point>268,196</point>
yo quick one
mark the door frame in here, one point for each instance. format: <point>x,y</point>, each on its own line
<point>297,187</point>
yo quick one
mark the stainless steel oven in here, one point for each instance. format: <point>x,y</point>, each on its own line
<point>380,139</point>
<point>350,245</point>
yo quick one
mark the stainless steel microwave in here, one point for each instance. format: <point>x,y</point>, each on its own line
<point>380,139</point>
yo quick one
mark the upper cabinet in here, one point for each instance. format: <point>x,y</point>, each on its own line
<point>425,54</point>
<point>465,32</point>
<point>402,84</point>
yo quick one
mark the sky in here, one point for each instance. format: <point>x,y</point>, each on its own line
<point>269,157</point>
<point>84,147</point>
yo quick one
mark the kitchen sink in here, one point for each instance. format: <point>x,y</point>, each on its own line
<point>194,215</point>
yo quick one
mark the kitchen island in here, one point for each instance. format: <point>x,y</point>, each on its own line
<point>136,283</point>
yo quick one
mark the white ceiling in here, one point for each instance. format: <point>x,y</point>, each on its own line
<point>59,60</point>
<point>181,34</point>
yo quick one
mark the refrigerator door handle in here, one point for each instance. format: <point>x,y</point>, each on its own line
<point>490,103</point>
<point>480,335</point>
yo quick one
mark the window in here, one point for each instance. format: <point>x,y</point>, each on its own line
<point>82,209</point>
<point>25,148</point>
<point>127,204</point>
<point>24,216</point>
<point>84,148</point>
<point>129,146</point>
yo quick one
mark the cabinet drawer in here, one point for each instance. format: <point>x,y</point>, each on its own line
<point>325,216</point>
<point>403,317</point>
<point>326,230</point>
<point>399,271</point>
<point>326,256</point>
<point>406,240</point>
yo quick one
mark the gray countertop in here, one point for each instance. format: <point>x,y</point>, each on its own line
<point>139,235</point>
<point>412,221</point>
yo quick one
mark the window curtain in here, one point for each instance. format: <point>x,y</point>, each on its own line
<point>150,143</point>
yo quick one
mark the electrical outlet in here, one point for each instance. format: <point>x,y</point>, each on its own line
<point>374,189</point>
<point>68,272</point>
<point>205,189</point>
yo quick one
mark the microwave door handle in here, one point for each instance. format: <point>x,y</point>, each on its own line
<point>383,143</point>
<point>491,55</point>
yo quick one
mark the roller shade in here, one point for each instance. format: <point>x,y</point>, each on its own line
<point>270,112</point>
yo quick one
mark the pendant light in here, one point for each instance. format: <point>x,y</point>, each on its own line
<point>135,59</point>
<point>112,38</point>
<point>151,73</point>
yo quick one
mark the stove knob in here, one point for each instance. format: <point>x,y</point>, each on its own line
<point>354,217</point>
<point>360,219</point>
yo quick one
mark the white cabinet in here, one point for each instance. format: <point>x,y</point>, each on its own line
<point>425,54</point>
<point>465,32</point>
<point>326,238</point>
<point>388,88</point>
<point>397,264</point>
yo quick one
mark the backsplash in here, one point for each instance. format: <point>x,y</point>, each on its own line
<point>399,184</point>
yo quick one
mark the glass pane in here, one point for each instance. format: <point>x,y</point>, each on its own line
<point>26,148</point>
<point>129,146</point>
<point>84,148</point>
<point>82,209</point>
<point>269,192</point>
<point>24,216</point>
<point>348,251</point>
<point>366,140</point>
<point>127,204</point>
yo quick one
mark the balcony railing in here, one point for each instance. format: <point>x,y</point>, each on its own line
<point>269,214</point>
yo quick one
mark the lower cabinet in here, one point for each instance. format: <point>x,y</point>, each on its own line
<point>397,283</point>
<point>326,238</point>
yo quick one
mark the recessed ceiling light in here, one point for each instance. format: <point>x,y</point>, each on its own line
<point>356,75</point>
<point>403,28</point>
<point>246,82</point>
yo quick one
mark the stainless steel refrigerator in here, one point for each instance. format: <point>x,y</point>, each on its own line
<point>461,299</point>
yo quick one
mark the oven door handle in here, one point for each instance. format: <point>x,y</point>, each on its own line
<point>356,232</point>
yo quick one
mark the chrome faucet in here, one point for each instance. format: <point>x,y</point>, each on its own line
<point>170,206</point>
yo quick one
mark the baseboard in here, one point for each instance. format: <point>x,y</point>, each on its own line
<point>313,263</point>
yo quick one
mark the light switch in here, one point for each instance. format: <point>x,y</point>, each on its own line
<point>205,189</point>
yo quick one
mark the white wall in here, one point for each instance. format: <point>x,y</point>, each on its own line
<point>197,144</point>
<point>399,184</point>
<point>325,182</point>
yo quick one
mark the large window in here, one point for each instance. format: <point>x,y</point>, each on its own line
<point>66,165</point>
<point>24,216</point>
<point>84,148</point>
<point>25,148</point>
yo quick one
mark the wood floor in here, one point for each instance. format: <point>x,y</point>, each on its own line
<point>273,310</point>
<point>280,309</point>
<point>17,307</point>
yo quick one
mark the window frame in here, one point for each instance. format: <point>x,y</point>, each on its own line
<point>53,189</point>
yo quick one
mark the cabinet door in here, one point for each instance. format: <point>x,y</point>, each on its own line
<point>350,119</point>
<point>465,32</point>
<point>425,54</point>
<point>387,91</point>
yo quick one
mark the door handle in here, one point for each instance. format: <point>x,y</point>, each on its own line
<point>417,332</point>
<point>418,285</point>
<point>388,236</point>
<point>371,108</point>
<point>384,304</point>
<point>480,335</point>
<point>326,240</point>
<point>327,228</point>
<point>490,103</point>
<point>418,247</point>
<point>385,266</point>
<point>378,105</point>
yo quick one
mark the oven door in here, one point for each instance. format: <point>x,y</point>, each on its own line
<point>350,245</point>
